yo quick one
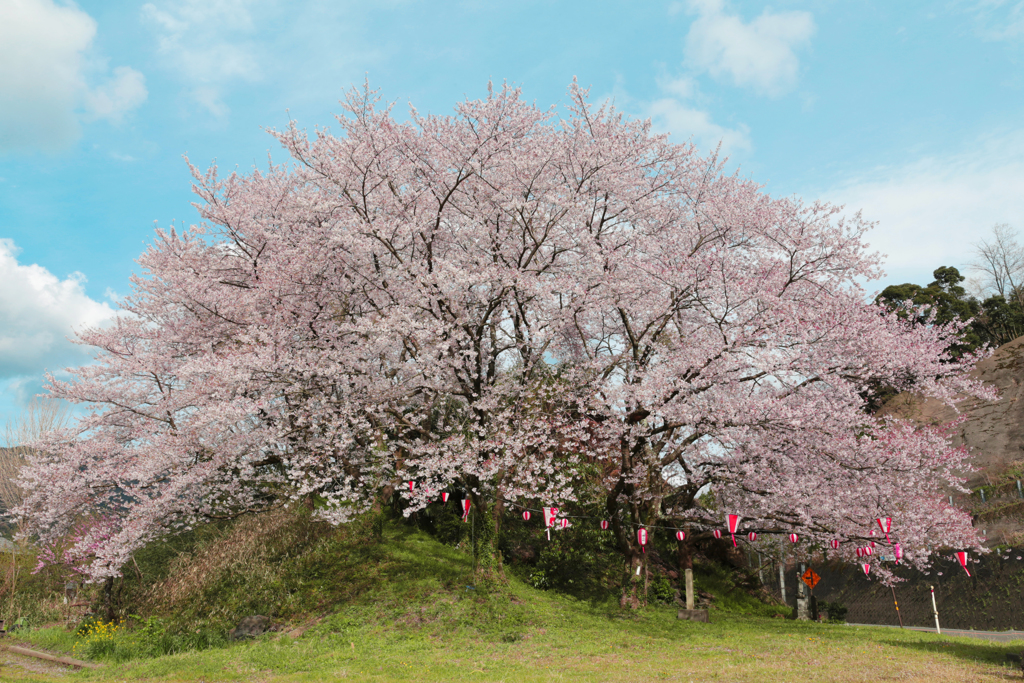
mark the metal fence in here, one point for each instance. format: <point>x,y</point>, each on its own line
<point>992,598</point>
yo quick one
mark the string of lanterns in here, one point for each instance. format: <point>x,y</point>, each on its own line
<point>551,519</point>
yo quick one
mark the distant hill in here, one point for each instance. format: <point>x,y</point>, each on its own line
<point>10,462</point>
<point>994,431</point>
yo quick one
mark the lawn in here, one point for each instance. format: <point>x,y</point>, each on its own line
<point>418,617</point>
<point>576,644</point>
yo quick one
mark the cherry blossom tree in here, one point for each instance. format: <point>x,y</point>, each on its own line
<point>498,301</point>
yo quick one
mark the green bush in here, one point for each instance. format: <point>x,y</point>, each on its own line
<point>660,590</point>
<point>836,611</point>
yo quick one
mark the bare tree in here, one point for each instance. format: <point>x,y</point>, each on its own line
<point>1000,264</point>
<point>41,415</point>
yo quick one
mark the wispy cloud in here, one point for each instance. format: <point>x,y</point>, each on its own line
<point>209,44</point>
<point>678,113</point>
<point>45,50</point>
<point>760,55</point>
<point>932,209</point>
<point>996,19</point>
<point>121,93</point>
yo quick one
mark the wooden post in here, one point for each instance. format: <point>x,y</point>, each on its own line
<point>782,576</point>
<point>689,588</point>
<point>935,610</point>
<point>473,532</point>
<point>1020,493</point>
<point>893,588</point>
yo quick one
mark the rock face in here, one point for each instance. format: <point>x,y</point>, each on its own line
<point>250,627</point>
<point>994,431</point>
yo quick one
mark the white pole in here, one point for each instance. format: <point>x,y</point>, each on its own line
<point>935,610</point>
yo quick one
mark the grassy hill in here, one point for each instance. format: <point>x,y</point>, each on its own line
<point>352,606</point>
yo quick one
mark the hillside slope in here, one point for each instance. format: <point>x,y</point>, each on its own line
<point>994,431</point>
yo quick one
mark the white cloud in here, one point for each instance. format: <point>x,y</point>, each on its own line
<point>758,55</point>
<point>44,50</point>
<point>206,43</point>
<point>933,209</point>
<point>125,91</point>
<point>38,312</point>
<point>678,112</point>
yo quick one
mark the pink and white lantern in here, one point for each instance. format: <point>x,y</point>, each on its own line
<point>465,509</point>
<point>867,568</point>
<point>641,538</point>
<point>717,533</point>
<point>885,524</point>
<point>834,543</point>
<point>444,497</point>
<point>962,557</point>
<point>604,524</point>
<point>734,523</point>
<point>752,536</point>
<point>680,535</point>
<point>860,552</point>
<point>549,519</point>
<point>868,550</point>
<point>412,485</point>
<point>794,538</point>
<point>564,523</point>
<point>526,515</point>
<point>898,552</point>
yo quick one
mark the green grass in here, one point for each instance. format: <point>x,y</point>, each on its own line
<point>407,609</point>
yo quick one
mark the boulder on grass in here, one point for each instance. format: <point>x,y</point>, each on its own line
<point>250,627</point>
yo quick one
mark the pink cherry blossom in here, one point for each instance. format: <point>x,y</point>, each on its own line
<point>502,302</point>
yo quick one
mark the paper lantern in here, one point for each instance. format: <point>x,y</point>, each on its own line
<point>680,535</point>
<point>872,544</point>
<point>752,536</point>
<point>465,509</point>
<point>641,538</point>
<point>549,519</point>
<point>563,523</point>
<point>868,550</point>
<point>734,523</point>
<point>898,552</point>
<point>885,524</point>
<point>860,552</point>
<point>604,523</point>
<point>835,544</point>
<point>444,496</point>
<point>962,556</point>
<point>412,484</point>
<point>867,568</point>
<point>526,515</point>
<point>717,533</point>
<point>794,538</point>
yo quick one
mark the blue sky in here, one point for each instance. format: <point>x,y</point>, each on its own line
<point>908,111</point>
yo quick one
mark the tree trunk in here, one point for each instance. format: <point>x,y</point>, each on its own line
<point>630,598</point>
<point>108,598</point>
